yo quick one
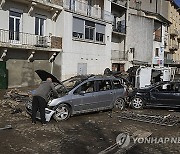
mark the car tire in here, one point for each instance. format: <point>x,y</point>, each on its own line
<point>62,112</point>
<point>137,103</point>
<point>119,103</point>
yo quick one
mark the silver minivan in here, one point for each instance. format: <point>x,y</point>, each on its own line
<point>82,94</point>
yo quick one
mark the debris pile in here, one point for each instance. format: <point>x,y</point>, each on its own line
<point>17,95</point>
<point>168,120</point>
<point>15,100</point>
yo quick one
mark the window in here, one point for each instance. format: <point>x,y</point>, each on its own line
<point>157,52</point>
<point>78,28</point>
<point>89,30</point>
<point>117,84</point>
<point>150,1</point>
<point>84,29</point>
<point>39,25</point>
<point>104,85</point>
<point>88,87</point>
<point>100,32</point>
<point>14,25</point>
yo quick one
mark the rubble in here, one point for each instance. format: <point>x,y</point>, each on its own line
<point>168,120</point>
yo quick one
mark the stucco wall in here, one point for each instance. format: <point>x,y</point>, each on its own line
<point>140,37</point>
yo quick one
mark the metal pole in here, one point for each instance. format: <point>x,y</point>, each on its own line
<point>52,65</point>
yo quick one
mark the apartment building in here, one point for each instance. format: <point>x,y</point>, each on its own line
<point>172,55</point>
<point>85,27</point>
<point>29,39</point>
<point>66,38</point>
<point>146,32</point>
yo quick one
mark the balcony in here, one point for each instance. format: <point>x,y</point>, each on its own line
<point>173,47</point>
<point>87,10</point>
<point>119,27</point>
<point>22,40</point>
<point>118,55</point>
<point>168,61</point>
<point>121,3</point>
<point>50,5</point>
<point>173,32</point>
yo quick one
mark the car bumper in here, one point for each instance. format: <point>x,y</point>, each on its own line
<point>48,112</point>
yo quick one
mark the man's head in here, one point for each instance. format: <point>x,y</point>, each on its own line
<point>49,79</point>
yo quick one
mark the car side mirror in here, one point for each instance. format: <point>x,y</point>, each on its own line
<point>82,92</point>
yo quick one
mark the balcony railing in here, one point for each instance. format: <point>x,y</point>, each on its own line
<point>88,10</point>
<point>174,32</point>
<point>168,61</point>
<point>118,55</point>
<point>173,47</point>
<point>29,40</point>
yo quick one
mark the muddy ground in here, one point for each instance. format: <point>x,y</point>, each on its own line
<point>89,133</point>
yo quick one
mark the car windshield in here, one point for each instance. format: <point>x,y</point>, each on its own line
<point>72,82</point>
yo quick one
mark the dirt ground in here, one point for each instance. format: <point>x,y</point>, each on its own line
<point>89,133</point>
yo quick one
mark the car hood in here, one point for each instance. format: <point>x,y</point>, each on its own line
<point>44,75</point>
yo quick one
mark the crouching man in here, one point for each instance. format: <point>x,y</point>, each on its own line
<point>40,99</point>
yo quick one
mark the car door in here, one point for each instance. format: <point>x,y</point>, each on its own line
<point>175,95</point>
<point>105,93</point>
<point>83,98</point>
<point>162,95</point>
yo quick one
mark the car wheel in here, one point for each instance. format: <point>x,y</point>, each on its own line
<point>119,103</point>
<point>137,103</point>
<point>62,112</point>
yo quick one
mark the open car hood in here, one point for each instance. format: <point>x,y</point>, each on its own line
<point>44,75</point>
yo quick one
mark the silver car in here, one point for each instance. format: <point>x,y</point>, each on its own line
<point>82,94</point>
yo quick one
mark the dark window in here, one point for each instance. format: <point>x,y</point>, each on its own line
<point>157,52</point>
<point>89,23</point>
<point>77,35</point>
<point>99,37</point>
<point>88,87</point>
<point>89,33</point>
<point>14,25</point>
<point>117,84</point>
<point>150,1</point>
<point>39,26</point>
<point>104,85</point>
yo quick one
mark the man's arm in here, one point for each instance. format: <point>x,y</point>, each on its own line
<point>54,90</point>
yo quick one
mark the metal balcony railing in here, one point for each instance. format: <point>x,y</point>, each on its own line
<point>88,10</point>
<point>20,38</point>
<point>118,55</point>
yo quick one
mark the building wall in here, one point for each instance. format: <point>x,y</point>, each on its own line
<point>155,6</point>
<point>140,37</point>
<point>96,55</point>
<point>20,71</point>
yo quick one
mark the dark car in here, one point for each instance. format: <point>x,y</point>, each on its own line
<point>161,94</point>
<point>82,94</point>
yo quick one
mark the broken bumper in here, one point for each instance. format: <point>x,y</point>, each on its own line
<point>48,112</point>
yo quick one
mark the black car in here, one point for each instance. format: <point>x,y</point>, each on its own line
<point>161,94</point>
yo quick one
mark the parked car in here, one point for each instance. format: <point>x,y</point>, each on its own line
<point>162,94</point>
<point>82,94</point>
